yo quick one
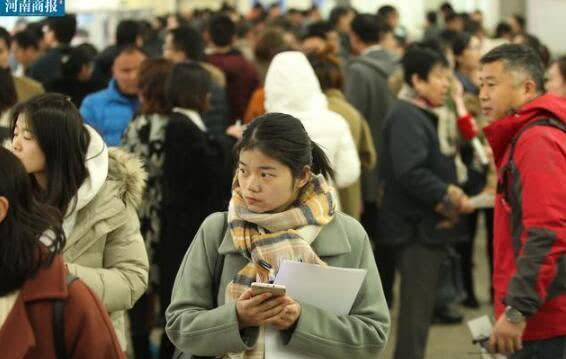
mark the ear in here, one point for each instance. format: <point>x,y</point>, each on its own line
<point>305,177</point>
<point>4,206</point>
<point>416,81</point>
<point>530,87</point>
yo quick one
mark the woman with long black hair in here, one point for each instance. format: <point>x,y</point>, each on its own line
<point>98,191</point>
<point>32,279</point>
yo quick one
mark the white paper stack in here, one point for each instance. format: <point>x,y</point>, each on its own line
<point>332,289</point>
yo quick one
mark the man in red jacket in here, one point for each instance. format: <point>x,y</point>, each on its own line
<point>528,138</point>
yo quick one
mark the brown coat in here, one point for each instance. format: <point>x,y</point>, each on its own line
<point>28,330</point>
<point>351,196</point>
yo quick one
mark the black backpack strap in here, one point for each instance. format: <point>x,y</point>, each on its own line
<point>510,169</point>
<point>59,321</point>
<point>218,266</point>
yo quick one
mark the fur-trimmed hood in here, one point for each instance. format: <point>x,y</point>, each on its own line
<point>127,169</point>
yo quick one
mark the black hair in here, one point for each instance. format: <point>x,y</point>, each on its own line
<point>337,13</point>
<point>72,61</point>
<point>36,29</point>
<point>8,94</point>
<point>369,28</point>
<point>473,27</point>
<point>58,127</point>
<point>518,57</point>
<point>64,27</point>
<point>535,44</point>
<point>222,30</point>
<point>188,40</point>
<point>127,32</point>
<point>318,29</point>
<point>5,35</point>
<point>446,6</point>
<point>458,41</point>
<point>89,49</point>
<point>452,16</point>
<point>284,138</point>
<point>26,39</point>
<point>21,252</point>
<point>502,29</point>
<point>520,20</point>
<point>386,10</point>
<point>421,60</point>
<point>188,86</point>
<point>129,49</point>
<point>432,17</point>
<point>561,63</point>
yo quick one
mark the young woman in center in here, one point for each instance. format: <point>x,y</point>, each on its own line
<point>281,208</point>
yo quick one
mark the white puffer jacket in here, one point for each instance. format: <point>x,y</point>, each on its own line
<point>291,87</point>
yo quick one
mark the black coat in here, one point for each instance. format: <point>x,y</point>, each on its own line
<point>197,174</point>
<point>414,177</point>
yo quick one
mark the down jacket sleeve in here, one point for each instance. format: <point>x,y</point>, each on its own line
<point>124,275</point>
<point>346,162</point>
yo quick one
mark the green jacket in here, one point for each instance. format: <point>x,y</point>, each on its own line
<point>195,326</point>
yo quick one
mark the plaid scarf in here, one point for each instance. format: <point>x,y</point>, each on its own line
<point>274,237</point>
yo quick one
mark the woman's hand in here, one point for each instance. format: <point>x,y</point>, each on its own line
<point>255,311</point>
<point>288,317</point>
<point>236,131</point>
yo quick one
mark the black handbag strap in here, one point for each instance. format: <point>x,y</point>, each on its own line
<point>216,276</point>
<point>59,321</point>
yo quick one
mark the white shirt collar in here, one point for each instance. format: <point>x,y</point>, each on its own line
<point>193,116</point>
<point>372,48</point>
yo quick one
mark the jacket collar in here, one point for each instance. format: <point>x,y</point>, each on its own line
<point>331,241</point>
<point>48,283</point>
<point>501,132</point>
<point>116,95</point>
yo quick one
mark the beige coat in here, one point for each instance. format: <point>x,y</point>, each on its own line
<point>106,249</point>
<point>351,196</point>
<point>27,88</point>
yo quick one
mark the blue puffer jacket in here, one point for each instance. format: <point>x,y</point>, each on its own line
<point>109,112</point>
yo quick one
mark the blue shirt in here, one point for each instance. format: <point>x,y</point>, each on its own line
<point>109,112</point>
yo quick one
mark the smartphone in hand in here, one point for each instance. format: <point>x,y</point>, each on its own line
<point>275,289</point>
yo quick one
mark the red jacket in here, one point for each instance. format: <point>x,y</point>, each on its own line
<point>530,242</point>
<point>28,329</point>
<point>241,80</point>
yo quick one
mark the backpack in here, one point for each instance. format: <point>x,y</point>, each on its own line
<point>59,321</point>
<point>510,172</point>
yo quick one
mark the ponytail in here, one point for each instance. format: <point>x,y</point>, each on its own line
<point>320,162</point>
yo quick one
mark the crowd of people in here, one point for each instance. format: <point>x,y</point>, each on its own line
<point>148,184</point>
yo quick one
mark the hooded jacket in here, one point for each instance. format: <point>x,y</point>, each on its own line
<point>367,89</point>
<point>291,87</point>
<point>104,245</point>
<point>530,222</point>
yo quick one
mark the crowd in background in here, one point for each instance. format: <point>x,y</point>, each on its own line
<point>178,91</point>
